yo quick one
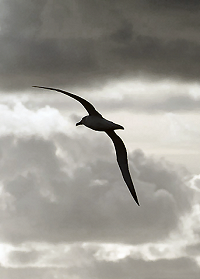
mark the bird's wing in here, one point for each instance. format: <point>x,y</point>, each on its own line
<point>89,107</point>
<point>123,162</point>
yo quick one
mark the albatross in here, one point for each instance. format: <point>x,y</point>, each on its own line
<point>95,121</point>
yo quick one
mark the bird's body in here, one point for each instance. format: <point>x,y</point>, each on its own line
<point>96,122</point>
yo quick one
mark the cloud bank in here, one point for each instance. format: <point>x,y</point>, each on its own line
<point>83,43</point>
<point>58,203</point>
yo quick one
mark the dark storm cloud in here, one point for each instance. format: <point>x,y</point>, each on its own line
<point>45,203</point>
<point>29,62</point>
<point>157,57</point>
<point>123,34</point>
<point>86,42</point>
<point>192,5</point>
<point>80,61</point>
<point>129,268</point>
<point>21,18</point>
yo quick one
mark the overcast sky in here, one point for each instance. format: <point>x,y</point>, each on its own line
<point>65,211</point>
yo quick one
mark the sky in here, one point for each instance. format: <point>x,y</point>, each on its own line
<point>65,211</point>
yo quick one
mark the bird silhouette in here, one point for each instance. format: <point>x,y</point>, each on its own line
<point>95,121</point>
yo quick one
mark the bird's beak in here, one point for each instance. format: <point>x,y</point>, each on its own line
<point>79,123</point>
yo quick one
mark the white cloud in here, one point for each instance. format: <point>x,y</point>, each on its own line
<point>23,122</point>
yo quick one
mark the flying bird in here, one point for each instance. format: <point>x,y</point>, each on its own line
<point>95,121</point>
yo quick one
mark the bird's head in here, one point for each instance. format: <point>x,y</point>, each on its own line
<point>82,122</point>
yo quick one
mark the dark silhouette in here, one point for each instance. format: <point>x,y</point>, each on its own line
<point>96,122</point>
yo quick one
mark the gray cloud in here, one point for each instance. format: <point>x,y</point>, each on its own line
<point>81,62</point>
<point>21,18</point>
<point>181,268</point>
<point>177,103</point>
<point>193,250</point>
<point>24,257</point>
<point>29,61</point>
<point>22,273</point>
<point>177,4</point>
<point>158,104</point>
<point>124,34</point>
<point>155,56</point>
<point>45,202</point>
<point>178,269</point>
<point>94,43</point>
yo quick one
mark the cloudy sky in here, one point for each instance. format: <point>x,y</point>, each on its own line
<point>65,211</point>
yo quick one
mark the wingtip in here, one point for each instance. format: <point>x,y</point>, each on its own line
<point>138,203</point>
<point>136,200</point>
<point>134,195</point>
<point>43,87</point>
